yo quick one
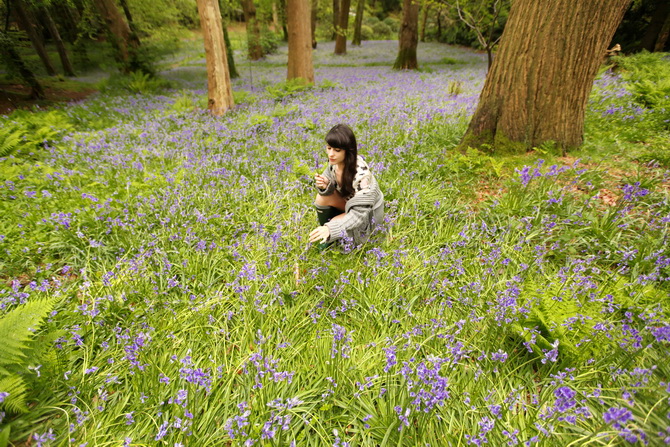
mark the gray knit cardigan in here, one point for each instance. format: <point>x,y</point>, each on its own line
<point>363,209</point>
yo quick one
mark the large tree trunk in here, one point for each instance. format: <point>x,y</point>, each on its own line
<point>538,86</point>
<point>253,30</point>
<point>358,22</point>
<point>125,44</point>
<point>315,8</point>
<point>60,46</point>
<point>13,58</point>
<point>342,27</point>
<point>336,17</point>
<point>218,78</point>
<point>300,41</point>
<point>29,25</point>
<point>409,37</point>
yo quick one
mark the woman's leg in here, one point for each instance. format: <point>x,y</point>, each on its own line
<point>334,200</point>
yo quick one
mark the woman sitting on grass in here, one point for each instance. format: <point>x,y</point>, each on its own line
<point>349,202</point>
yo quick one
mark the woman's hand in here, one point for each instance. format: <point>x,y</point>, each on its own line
<point>321,181</point>
<point>319,234</point>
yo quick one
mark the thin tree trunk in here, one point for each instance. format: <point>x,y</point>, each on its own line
<point>358,22</point>
<point>218,78</point>
<point>422,36</point>
<point>299,41</point>
<point>283,19</point>
<point>439,25</point>
<point>29,24</point>
<point>342,27</point>
<point>658,17</point>
<point>315,8</point>
<point>538,86</point>
<point>131,24</point>
<point>663,35</point>
<point>232,70</point>
<point>60,46</point>
<point>336,17</point>
<point>253,30</point>
<point>13,58</point>
<point>409,37</point>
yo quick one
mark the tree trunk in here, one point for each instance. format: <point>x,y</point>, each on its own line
<point>409,38</point>
<point>299,41</point>
<point>131,24</point>
<point>662,39</point>
<point>315,8</point>
<point>439,25</point>
<point>13,58</point>
<point>658,17</point>
<point>538,86</point>
<point>253,30</point>
<point>342,27</point>
<point>218,78</point>
<point>358,22</point>
<point>60,46</point>
<point>120,35</point>
<point>282,19</point>
<point>422,35</point>
<point>232,70</point>
<point>336,17</point>
<point>29,25</point>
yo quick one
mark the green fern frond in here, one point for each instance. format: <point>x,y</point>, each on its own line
<point>15,401</point>
<point>17,328</point>
<point>9,141</point>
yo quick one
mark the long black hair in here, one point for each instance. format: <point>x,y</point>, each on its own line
<point>342,137</point>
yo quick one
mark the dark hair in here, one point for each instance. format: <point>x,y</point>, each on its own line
<point>342,137</point>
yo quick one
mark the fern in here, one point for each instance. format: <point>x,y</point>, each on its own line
<point>15,387</point>
<point>17,328</point>
<point>9,141</point>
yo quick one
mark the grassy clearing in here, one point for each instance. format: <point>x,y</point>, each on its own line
<point>506,300</point>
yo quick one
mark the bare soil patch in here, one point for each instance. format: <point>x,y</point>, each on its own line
<point>16,96</point>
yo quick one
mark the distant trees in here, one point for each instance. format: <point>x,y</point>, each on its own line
<point>538,85</point>
<point>342,27</point>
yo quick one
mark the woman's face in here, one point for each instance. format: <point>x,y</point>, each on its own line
<point>335,156</point>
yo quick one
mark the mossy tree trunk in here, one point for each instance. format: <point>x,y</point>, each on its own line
<point>218,77</point>
<point>12,58</point>
<point>60,46</point>
<point>29,24</point>
<point>336,17</point>
<point>300,41</point>
<point>125,43</point>
<point>342,27</point>
<point>315,8</point>
<point>232,69</point>
<point>358,22</point>
<point>409,37</point>
<point>540,80</point>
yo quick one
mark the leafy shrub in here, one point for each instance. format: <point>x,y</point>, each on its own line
<point>381,30</point>
<point>393,24</point>
<point>367,33</point>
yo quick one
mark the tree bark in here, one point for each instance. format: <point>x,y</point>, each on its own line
<point>663,35</point>
<point>60,46</point>
<point>300,41</point>
<point>218,77</point>
<point>315,8</point>
<point>409,37</point>
<point>29,25</point>
<point>120,35</point>
<point>253,30</point>
<point>13,57</point>
<point>358,22</point>
<point>131,24</point>
<point>658,17</point>
<point>342,27</point>
<point>540,80</point>
<point>336,17</point>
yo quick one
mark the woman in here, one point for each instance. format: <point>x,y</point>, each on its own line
<point>349,201</point>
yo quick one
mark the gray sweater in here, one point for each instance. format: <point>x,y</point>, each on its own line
<point>364,207</point>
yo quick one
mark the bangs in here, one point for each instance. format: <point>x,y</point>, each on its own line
<point>337,140</point>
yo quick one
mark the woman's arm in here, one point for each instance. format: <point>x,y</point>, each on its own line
<point>330,187</point>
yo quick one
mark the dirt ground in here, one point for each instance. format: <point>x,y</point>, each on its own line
<point>16,96</point>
